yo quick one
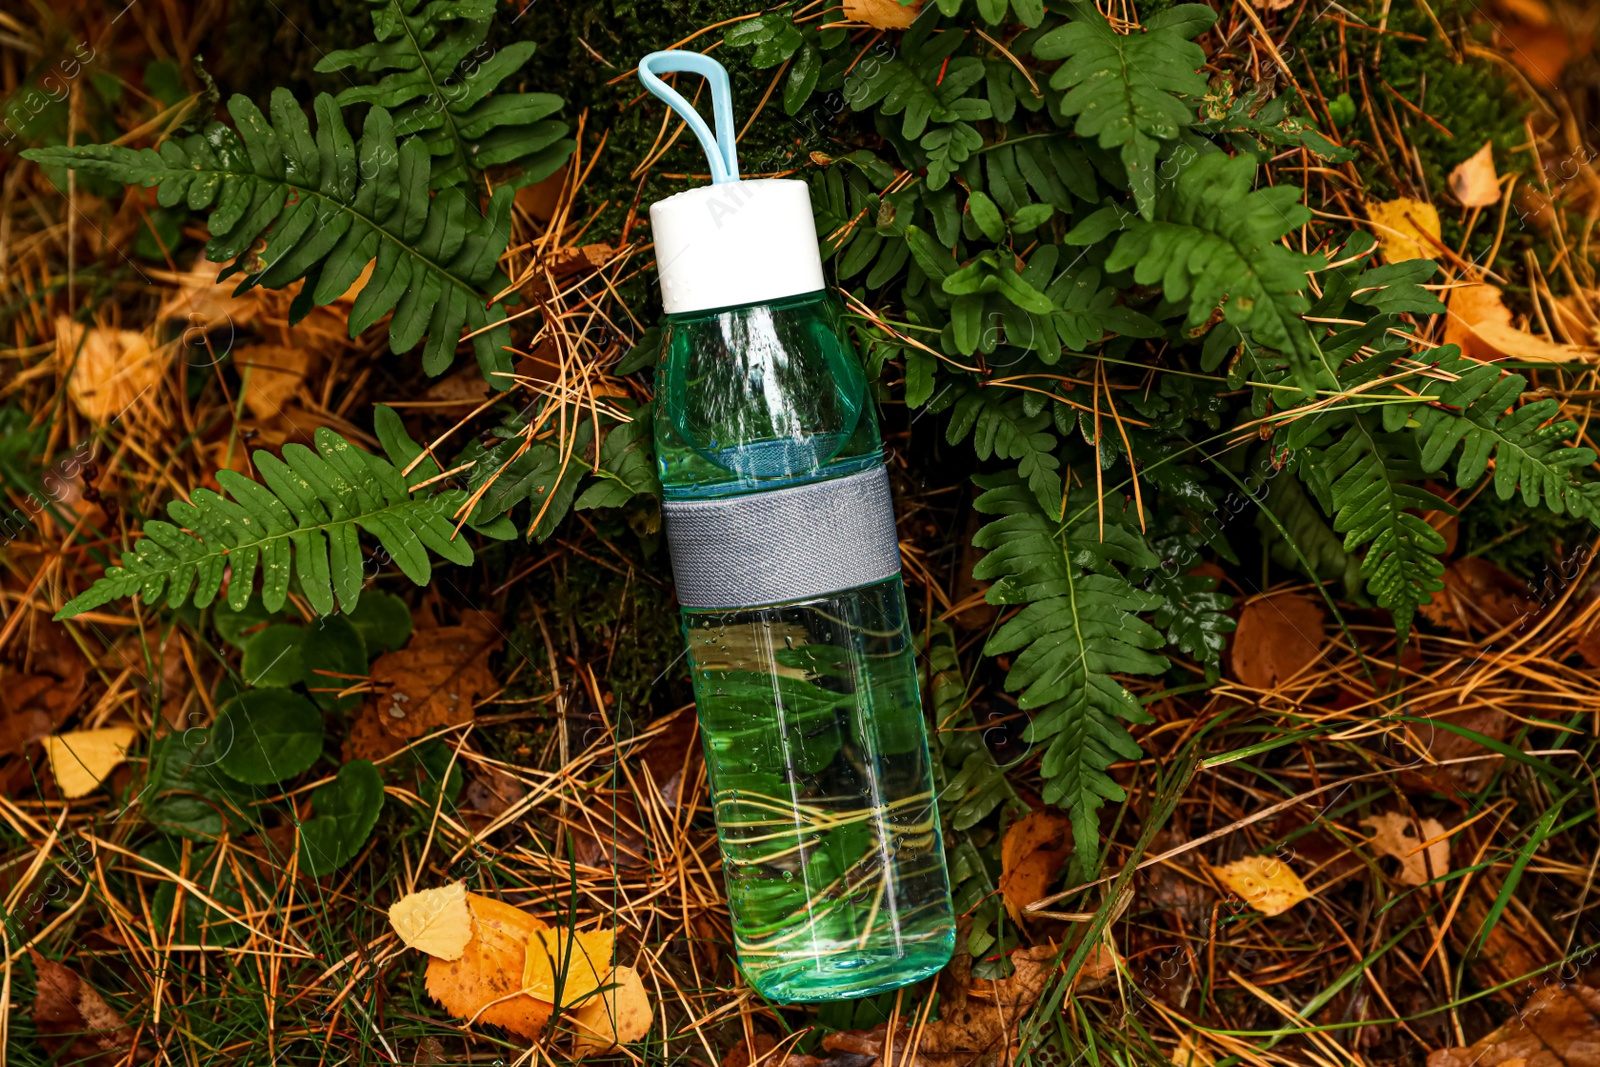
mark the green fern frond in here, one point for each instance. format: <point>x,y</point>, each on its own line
<point>1475,407</point>
<point>1000,427</point>
<point>302,525</point>
<point>1132,91</point>
<point>1366,477</point>
<point>1078,627</point>
<point>441,80</point>
<point>326,206</point>
<point>972,784</point>
<point>1214,244</point>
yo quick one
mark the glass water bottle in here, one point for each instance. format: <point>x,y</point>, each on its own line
<point>781,530</point>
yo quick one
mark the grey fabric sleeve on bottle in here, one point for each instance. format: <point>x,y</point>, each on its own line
<point>784,544</point>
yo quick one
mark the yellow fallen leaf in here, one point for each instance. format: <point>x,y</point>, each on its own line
<point>1395,835</point>
<point>882,14</point>
<point>80,760</point>
<point>1474,181</point>
<point>1266,883</point>
<point>616,1017</point>
<point>581,959</point>
<point>485,984</point>
<point>435,921</point>
<point>1191,1051</point>
<point>1403,227</point>
<point>110,369</point>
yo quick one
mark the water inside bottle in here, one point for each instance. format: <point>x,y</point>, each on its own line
<point>823,793</point>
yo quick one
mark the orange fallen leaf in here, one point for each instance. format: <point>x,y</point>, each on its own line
<point>1474,181</point>
<point>485,984</point>
<point>1402,227</point>
<point>1470,305</point>
<point>1508,342</point>
<point>1278,637</point>
<point>617,1016</point>
<point>1028,863</point>
<point>1395,835</point>
<point>435,921</point>
<point>577,961</point>
<point>434,680</point>
<point>882,14</point>
<point>1266,883</point>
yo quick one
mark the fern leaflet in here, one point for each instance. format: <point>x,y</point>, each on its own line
<point>1129,90</point>
<point>442,82</point>
<point>1078,626</point>
<point>327,205</point>
<point>302,524</point>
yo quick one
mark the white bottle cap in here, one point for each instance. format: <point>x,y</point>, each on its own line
<point>737,242</point>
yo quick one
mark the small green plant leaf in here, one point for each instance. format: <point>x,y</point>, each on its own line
<point>272,734</point>
<point>384,621</point>
<point>334,655</point>
<point>344,812</point>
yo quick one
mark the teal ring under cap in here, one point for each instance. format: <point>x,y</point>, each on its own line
<point>722,151</point>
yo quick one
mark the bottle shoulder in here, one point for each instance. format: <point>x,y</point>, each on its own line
<point>760,397</point>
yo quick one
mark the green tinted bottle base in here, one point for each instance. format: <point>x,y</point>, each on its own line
<point>846,976</point>
<point>824,794</point>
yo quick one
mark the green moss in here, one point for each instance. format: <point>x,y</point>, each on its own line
<point>1465,95</point>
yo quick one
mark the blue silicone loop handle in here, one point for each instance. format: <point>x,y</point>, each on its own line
<point>721,150</point>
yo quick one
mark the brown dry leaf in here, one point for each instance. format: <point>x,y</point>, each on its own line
<point>1272,5</point>
<point>543,197</point>
<point>580,959</point>
<point>1266,883</point>
<point>882,14</point>
<point>977,1021</point>
<point>1559,1026</point>
<point>1478,595</point>
<point>80,760</point>
<point>485,984</point>
<point>1402,227</point>
<point>276,375</point>
<point>110,369</point>
<point>33,705</point>
<point>1277,638</point>
<point>1028,863</point>
<point>435,679</point>
<point>1474,181</point>
<point>76,1024</point>
<point>490,792</point>
<point>465,386</point>
<point>1540,51</point>
<point>435,921</point>
<point>1395,835</point>
<point>758,1053</point>
<point>1099,968</point>
<point>367,738</point>
<point>569,261</point>
<point>617,1016</point>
